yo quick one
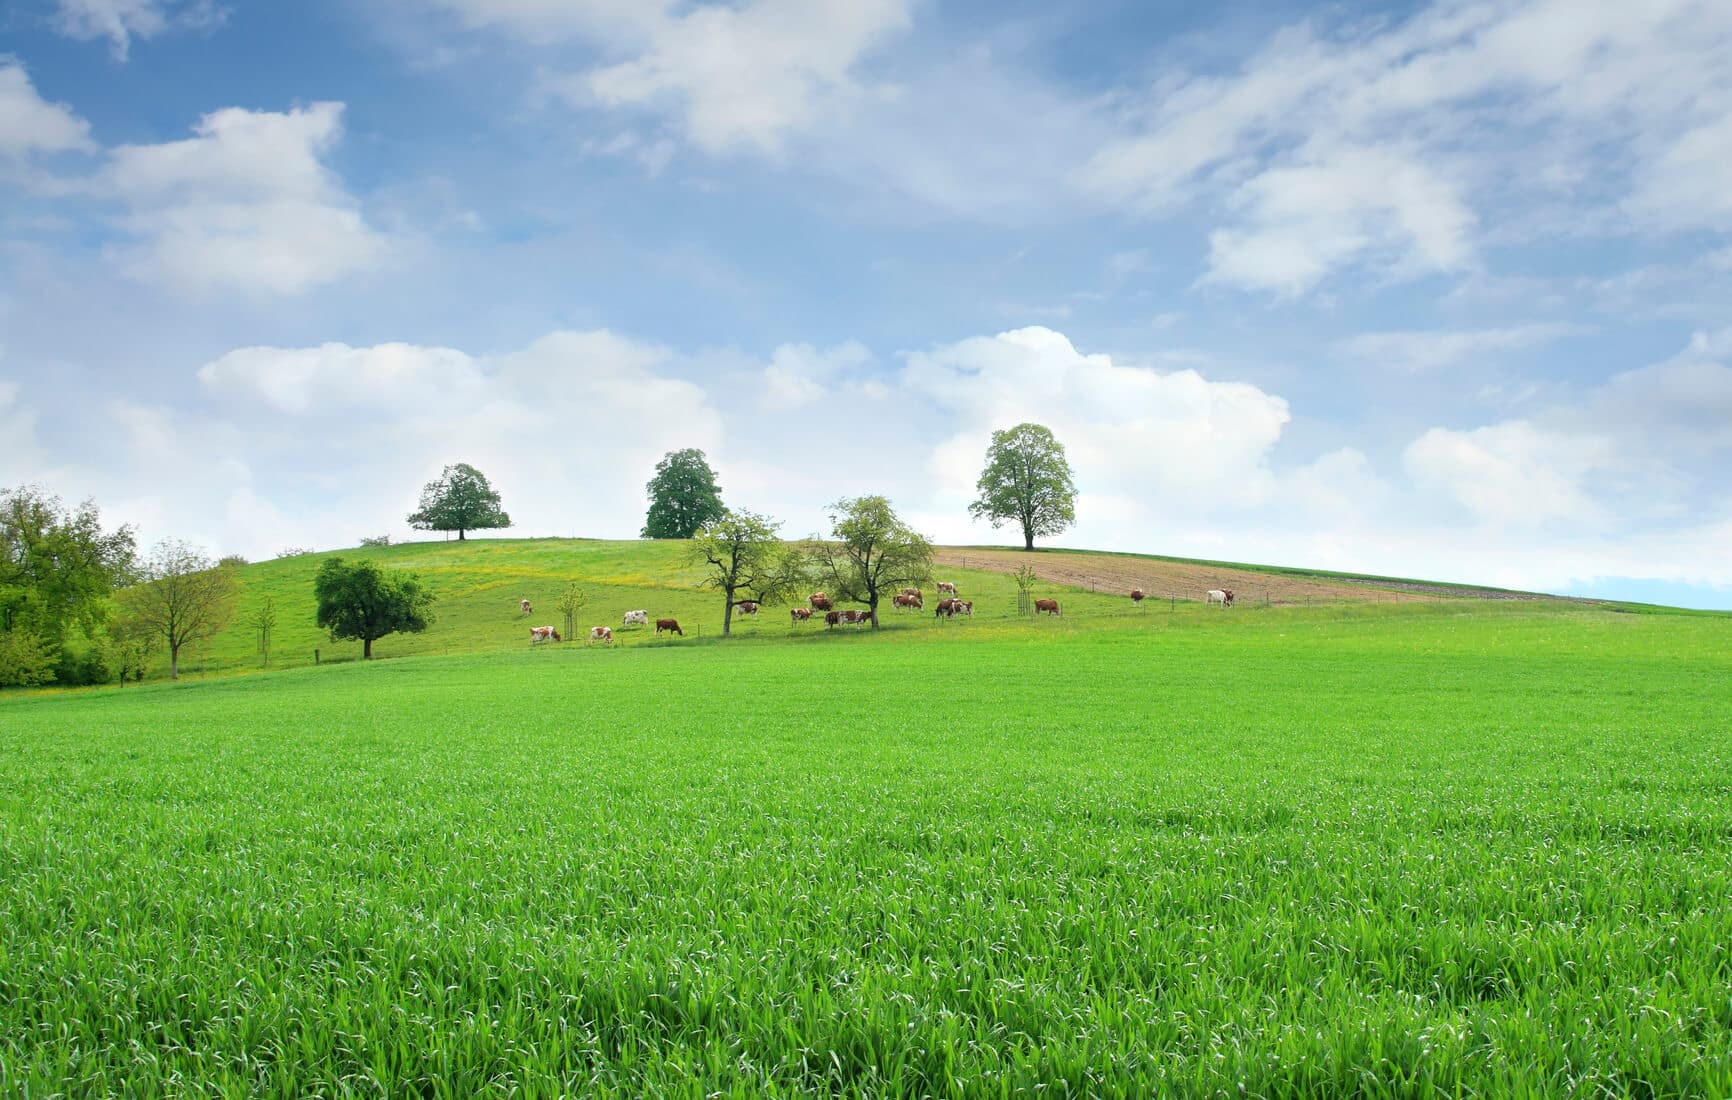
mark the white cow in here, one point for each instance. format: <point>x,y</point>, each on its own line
<point>601,634</point>
<point>524,604</point>
<point>947,586</point>
<point>1222,596</point>
<point>636,618</point>
<point>539,634</point>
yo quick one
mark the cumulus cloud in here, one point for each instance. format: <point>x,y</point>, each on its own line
<point>120,21</point>
<point>247,203</point>
<point>31,124</point>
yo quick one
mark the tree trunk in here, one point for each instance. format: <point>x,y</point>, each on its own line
<point>874,610</point>
<point>460,534</point>
<point>728,615</point>
<point>174,662</point>
<point>366,649</point>
<point>1027,540</point>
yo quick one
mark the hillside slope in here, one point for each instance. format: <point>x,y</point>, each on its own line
<point>479,582</point>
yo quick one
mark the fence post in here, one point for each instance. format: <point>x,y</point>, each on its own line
<point>315,657</point>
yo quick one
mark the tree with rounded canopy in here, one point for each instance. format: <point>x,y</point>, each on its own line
<point>746,560</point>
<point>683,496</point>
<point>870,553</point>
<point>460,500</point>
<point>58,567</point>
<point>1026,481</point>
<point>363,601</point>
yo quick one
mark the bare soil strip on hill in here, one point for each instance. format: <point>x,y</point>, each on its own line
<point>1166,580</point>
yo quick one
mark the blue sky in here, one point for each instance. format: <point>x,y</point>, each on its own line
<point>1428,289</point>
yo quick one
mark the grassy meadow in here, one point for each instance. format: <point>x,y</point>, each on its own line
<point>1464,849</point>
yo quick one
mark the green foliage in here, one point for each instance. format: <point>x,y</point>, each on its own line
<point>58,568</point>
<point>743,558</point>
<point>360,600</point>
<point>25,659</point>
<point>375,541</point>
<point>264,621</point>
<point>460,500</point>
<point>1027,481</point>
<point>683,496</point>
<point>871,553</point>
<point>570,603</point>
<point>182,597</point>
<point>1469,850</point>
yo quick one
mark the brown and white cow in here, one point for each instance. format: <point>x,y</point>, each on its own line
<point>635,618</point>
<point>947,586</point>
<point>911,591</point>
<point>944,609</point>
<point>539,634</point>
<point>524,604</point>
<point>1048,606</point>
<point>670,625</point>
<point>858,618</point>
<point>601,634</point>
<point>747,607</point>
<point>1138,595</point>
<point>800,614</point>
<point>831,618</point>
<point>1222,596</point>
<point>904,600</point>
<point>820,602</point>
<point>962,607</point>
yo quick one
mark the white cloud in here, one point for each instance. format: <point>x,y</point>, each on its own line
<point>1383,145</point>
<point>1514,473</point>
<point>248,203</point>
<point>30,124</point>
<point>799,374</point>
<point>1435,349</point>
<point>120,21</point>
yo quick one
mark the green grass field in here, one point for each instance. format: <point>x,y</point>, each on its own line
<point>1442,849</point>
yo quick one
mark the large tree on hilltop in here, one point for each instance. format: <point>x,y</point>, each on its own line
<point>870,553</point>
<point>363,601</point>
<point>460,500</point>
<point>745,560</point>
<point>683,496</point>
<point>1027,481</point>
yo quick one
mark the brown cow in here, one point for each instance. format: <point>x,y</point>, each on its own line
<point>815,597</point>
<point>669,624</point>
<point>831,618</point>
<point>856,617</point>
<point>962,607</point>
<point>907,601</point>
<point>1048,606</point>
<point>1138,595</point>
<point>821,602</point>
<point>747,607</point>
<point>915,592</point>
<point>944,609</point>
<point>539,634</point>
<point>800,614</point>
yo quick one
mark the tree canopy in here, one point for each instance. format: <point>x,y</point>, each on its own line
<point>183,597</point>
<point>1027,481</point>
<point>683,496</point>
<point>459,500</point>
<point>363,601</point>
<point>745,559</point>
<point>57,565</point>
<point>870,552</point>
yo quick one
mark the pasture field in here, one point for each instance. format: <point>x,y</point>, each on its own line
<point>478,584</point>
<point>1461,849</point>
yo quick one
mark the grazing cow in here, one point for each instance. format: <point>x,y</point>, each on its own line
<point>962,607</point>
<point>915,592</point>
<point>907,601</point>
<point>858,618</point>
<point>821,602</point>
<point>944,609</point>
<point>747,607</point>
<point>1222,596</point>
<point>1048,606</point>
<point>669,624</point>
<point>601,634</point>
<point>1138,595</point>
<point>947,586</point>
<point>800,614</point>
<point>636,618</point>
<point>524,604</point>
<point>539,634</point>
<point>831,618</point>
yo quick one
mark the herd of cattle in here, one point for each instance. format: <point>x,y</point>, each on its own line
<point>909,599</point>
